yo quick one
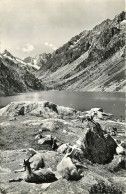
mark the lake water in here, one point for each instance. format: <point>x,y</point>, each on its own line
<point>110,102</point>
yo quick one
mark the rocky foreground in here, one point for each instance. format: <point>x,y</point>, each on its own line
<point>84,151</point>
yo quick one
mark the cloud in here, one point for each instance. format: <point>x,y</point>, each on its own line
<point>50,45</point>
<point>46,43</point>
<point>28,48</point>
<point>18,48</point>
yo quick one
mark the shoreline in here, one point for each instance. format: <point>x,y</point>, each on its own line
<point>67,90</point>
<point>110,102</point>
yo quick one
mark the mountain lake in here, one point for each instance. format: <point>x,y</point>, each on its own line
<point>110,102</point>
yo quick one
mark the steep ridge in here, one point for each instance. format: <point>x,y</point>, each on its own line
<point>16,76</point>
<point>38,61</point>
<point>92,60</point>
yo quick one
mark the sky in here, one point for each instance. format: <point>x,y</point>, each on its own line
<point>32,27</point>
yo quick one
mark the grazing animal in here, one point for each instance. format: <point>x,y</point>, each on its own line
<point>36,159</point>
<point>38,176</point>
<point>67,169</point>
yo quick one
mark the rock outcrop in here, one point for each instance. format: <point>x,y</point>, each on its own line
<point>98,113</point>
<point>97,146</point>
<point>43,109</point>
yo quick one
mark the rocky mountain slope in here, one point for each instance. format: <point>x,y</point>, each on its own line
<point>17,76</point>
<point>39,61</point>
<point>92,60</point>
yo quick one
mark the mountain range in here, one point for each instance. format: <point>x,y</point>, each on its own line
<point>94,60</point>
<point>17,76</point>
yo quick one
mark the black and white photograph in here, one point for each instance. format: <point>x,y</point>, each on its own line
<point>62,97</point>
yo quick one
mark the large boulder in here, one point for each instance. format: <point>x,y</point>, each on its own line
<point>97,146</point>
